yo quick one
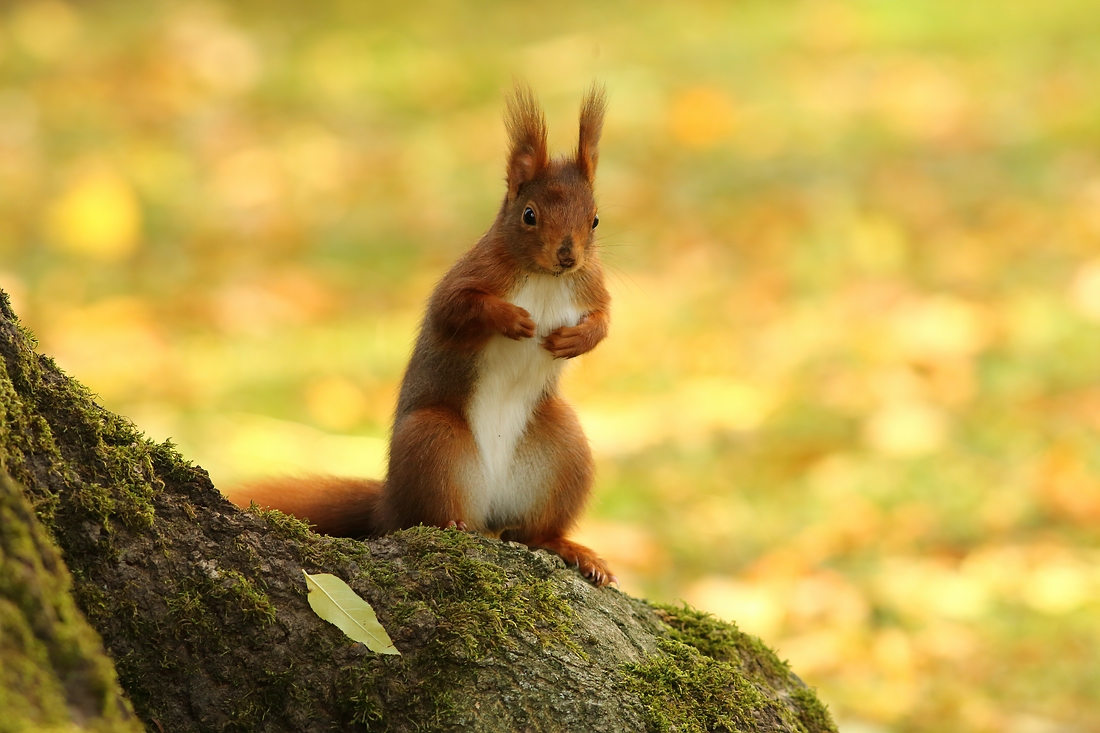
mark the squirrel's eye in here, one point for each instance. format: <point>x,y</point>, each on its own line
<point>529,216</point>
<point>596,221</point>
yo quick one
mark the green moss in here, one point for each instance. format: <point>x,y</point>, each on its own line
<point>396,693</point>
<point>478,606</point>
<point>471,607</point>
<point>131,464</point>
<point>29,690</point>
<point>100,609</point>
<point>190,613</point>
<point>737,655</point>
<point>52,666</point>
<point>723,641</point>
<point>277,691</point>
<point>97,501</point>
<point>248,598</point>
<point>203,607</point>
<point>687,692</point>
<point>201,601</point>
<point>358,692</point>
<point>284,525</point>
<point>124,458</point>
<point>121,481</point>
<point>25,435</point>
<point>318,550</point>
<point>383,575</point>
<point>811,712</point>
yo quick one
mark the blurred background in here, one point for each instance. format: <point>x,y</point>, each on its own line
<point>851,399</point>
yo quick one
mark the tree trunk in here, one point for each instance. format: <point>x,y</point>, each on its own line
<point>52,667</point>
<point>203,607</point>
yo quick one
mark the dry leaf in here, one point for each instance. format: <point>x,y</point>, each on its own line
<point>335,602</point>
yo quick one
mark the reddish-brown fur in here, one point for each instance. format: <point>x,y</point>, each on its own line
<point>433,449</point>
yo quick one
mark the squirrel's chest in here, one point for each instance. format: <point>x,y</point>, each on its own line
<point>511,377</point>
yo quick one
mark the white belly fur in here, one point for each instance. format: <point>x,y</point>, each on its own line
<point>511,377</point>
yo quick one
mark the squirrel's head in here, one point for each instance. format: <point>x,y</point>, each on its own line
<point>550,211</point>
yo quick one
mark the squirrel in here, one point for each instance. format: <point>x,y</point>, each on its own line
<point>482,440</point>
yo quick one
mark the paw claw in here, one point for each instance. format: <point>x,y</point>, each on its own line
<point>597,576</point>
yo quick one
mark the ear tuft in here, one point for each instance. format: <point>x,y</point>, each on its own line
<point>526,127</point>
<point>593,108</point>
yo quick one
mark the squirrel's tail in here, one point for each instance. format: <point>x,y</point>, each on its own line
<point>341,507</point>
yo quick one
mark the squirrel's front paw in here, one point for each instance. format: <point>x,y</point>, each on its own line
<point>568,341</point>
<point>520,327</point>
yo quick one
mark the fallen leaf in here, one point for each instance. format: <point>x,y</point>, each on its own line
<point>335,602</point>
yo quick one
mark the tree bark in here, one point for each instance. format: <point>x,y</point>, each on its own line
<point>203,607</point>
<point>53,670</point>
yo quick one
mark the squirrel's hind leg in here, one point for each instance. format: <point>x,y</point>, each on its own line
<point>430,449</point>
<point>555,443</point>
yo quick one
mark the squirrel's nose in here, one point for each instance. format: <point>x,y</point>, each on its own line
<point>565,253</point>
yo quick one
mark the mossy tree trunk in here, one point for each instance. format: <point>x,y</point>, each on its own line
<point>53,670</point>
<point>203,607</point>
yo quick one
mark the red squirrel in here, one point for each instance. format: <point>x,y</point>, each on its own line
<point>481,438</point>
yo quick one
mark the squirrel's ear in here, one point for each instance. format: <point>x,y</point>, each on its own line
<point>527,138</point>
<point>592,111</point>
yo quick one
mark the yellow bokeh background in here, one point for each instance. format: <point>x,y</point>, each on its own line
<point>851,396</point>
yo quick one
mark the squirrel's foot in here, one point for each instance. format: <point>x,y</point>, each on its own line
<point>591,566</point>
<point>598,573</point>
<point>460,526</point>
